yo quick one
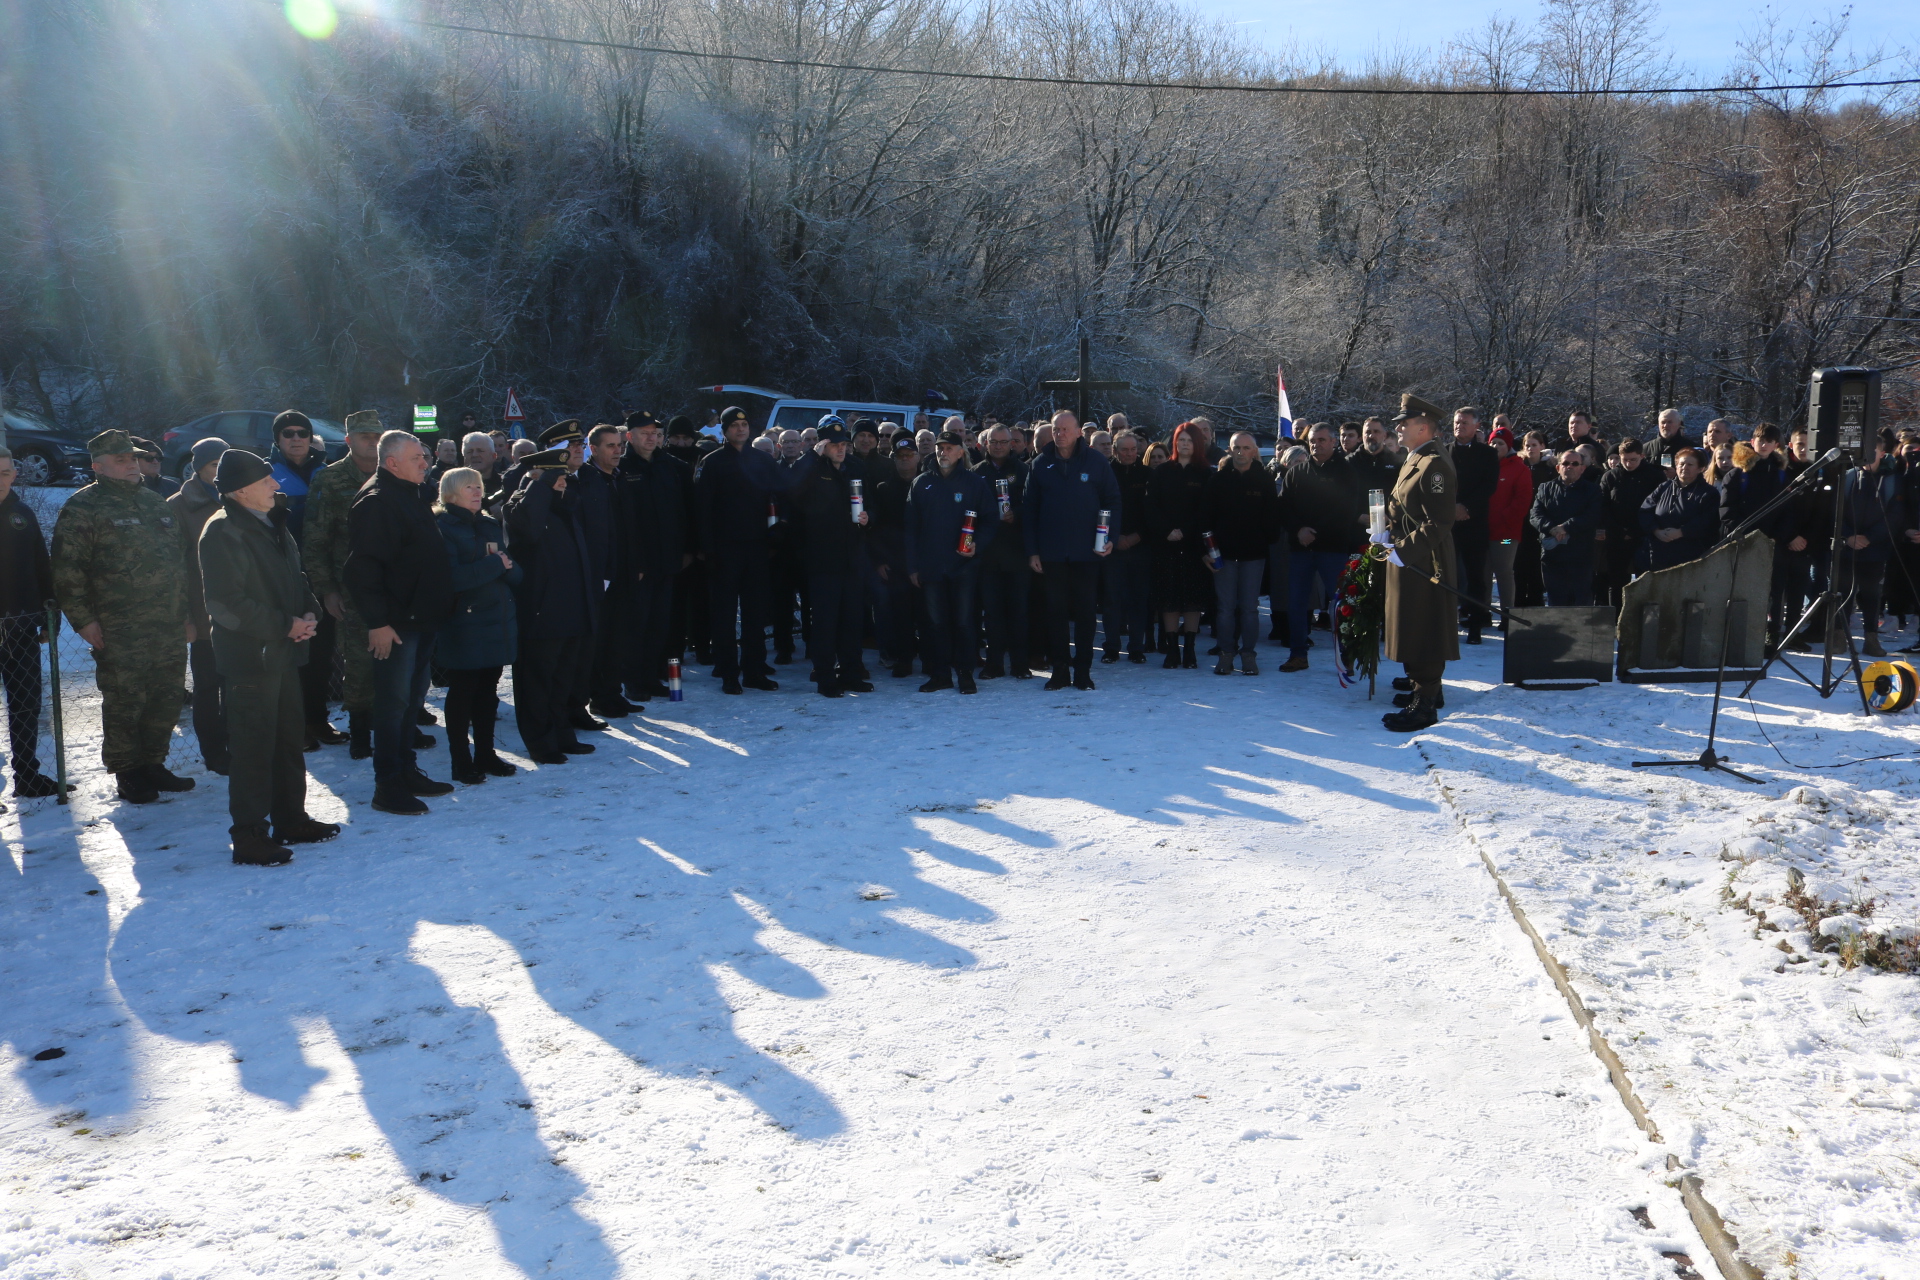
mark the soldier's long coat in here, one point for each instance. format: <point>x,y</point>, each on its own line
<point>1420,616</point>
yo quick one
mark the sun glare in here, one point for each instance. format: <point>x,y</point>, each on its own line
<point>314,19</point>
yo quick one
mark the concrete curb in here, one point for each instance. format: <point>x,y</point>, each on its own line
<point>1706,1219</point>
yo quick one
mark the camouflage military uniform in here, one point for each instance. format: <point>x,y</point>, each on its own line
<point>117,561</point>
<point>325,552</point>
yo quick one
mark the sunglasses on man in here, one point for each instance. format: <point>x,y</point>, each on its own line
<point>295,433</point>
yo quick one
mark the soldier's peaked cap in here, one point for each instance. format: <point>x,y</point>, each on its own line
<point>546,459</point>
<point>1412,406</point>
<point>641,418</point>
<point>110,442</point>
<point>567,432</point>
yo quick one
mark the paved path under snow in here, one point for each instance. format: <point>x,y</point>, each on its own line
<point>1163,983</point>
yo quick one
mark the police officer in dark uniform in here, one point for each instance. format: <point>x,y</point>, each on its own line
<point>734,491</point>
<point>836,564</point>
<point>558,605</point>
<point>943,567</point>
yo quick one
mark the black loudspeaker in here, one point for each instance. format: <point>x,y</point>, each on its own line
<point>1843,410</point>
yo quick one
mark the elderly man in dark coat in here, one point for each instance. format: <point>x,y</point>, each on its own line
<point>264,616</point>
<point>1421,603</point>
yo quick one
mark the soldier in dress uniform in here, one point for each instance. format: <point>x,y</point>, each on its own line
<point>121,581</point>
<point>1420,632</point>
<point>324,551</point>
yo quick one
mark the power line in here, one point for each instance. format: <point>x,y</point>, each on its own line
<point>1186,85</point>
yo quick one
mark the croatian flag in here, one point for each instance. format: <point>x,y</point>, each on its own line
<point>1286,409</point>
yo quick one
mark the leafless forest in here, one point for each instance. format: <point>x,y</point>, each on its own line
<point>201,209</point>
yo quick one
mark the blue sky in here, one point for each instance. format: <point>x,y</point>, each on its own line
<point>1701,34</point>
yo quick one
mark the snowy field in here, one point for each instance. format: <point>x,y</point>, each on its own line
<point>1190,976</point>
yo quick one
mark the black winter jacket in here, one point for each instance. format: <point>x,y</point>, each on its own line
<point>732,492</point>
<point>254,590</point>
<point>1373,471</point>
<point>1133,481</point>
<point>1245,513</point>
<point>1177,498</point>
<point>1478,467</point>
<point>1694,510</point>
<point>1008,549</point>
<point>1325,497</point>
<point>1578,507</point>
<point>556,599</point>
<point>822,503</point>
<point>396,568</point>
<point>26,573</point>
<point>484,628</point>
<point>1065,497</point>
<point>1747,490</point>
<point>604,529</point>
<point>657,498</point>
<point>936,506</point>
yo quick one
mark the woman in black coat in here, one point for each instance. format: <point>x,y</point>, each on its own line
<point>1682,517</point>
<point>482,635</point>
<point>1176,514</point>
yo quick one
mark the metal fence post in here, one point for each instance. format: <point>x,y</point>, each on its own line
<point>53,681</point>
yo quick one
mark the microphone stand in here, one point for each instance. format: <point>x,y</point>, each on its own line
<point>1709,759</point>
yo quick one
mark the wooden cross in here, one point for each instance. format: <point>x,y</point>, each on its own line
<point>1083,384</point>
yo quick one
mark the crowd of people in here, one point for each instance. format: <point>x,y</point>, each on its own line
<point>592,561</point>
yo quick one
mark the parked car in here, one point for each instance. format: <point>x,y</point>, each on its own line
<point>250,429</point>
<point>46,455</point>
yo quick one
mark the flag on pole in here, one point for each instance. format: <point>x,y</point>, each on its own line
<point>1286,408</point>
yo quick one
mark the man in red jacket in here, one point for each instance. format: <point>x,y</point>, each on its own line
<point>1507,516</point>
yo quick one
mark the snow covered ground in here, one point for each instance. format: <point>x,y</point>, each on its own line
<point>1191,976</point>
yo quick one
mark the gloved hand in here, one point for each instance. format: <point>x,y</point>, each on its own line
<point>1380,538</point>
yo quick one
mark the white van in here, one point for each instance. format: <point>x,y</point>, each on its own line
<point>790,414</point>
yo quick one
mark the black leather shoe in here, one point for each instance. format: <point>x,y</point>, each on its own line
<point>828,689</point>
<point>1083,680</point>
<point>1136,657</point>
<point>306,831</point>
<point>730,686</point>
<point>424,716</point>
<point>549,757</point>
<point>253,849</point>
<point>966,683</point>
<point>399,801</point>
<point>419,784</point>
<point>33,786</point>
<point>1403,684</point>
<point>1413,718</point>
<point>762,683</point>
<point>1110,657</point>
<point>1022,673</point>
<point>857,686</point>
<point>935,684</point>
<point>325,734</point>
<point>493,766</point>
<point>577,748</point>
<point>162,780</point>
<point>586,723</point>
<point>422,741</point>
<point>133,787</point>
<point>1057,681</point>
<point>610,709</point>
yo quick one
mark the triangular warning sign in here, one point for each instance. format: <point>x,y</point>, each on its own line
<point>512,413</point>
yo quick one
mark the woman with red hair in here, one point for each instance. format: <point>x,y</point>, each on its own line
<point>1176,514</point>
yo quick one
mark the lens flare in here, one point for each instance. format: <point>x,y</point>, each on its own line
<point>314,19</point>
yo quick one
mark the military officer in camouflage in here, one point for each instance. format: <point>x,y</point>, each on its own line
<point>121,580</point>
<point>325,554</point>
